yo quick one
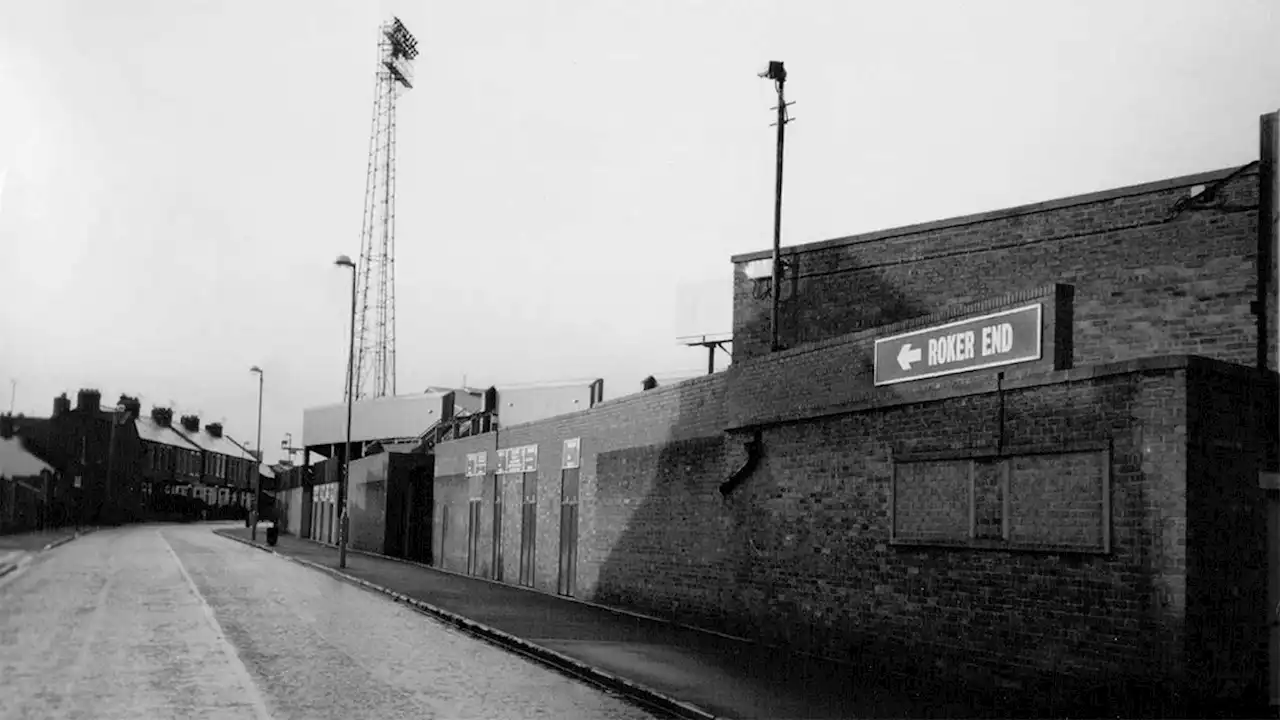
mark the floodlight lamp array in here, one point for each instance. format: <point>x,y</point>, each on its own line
<point>403,43</point>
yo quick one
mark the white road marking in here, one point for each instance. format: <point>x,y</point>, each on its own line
<point>254,697</point>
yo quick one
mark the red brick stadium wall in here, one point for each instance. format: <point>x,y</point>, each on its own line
<point>657,422</point>
<point>1154,272</point>
<point>1016,531</point>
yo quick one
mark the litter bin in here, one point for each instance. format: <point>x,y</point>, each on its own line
<point>273,534</point>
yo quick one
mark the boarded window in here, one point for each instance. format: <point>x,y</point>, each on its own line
<point>1030,500</point>
<point>1058,499</point>
<point>931,500</point>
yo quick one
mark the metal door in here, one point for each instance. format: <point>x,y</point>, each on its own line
<point>568,532</point>
<point>528,528</point>
<point>497,527</point>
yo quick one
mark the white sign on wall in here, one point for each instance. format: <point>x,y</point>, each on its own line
<point>518,459</point>
<point>477,464</point>
<point>572,455</point>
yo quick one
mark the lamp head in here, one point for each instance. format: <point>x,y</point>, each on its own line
<point>344,261</point>
<point>255,369</point>
<point>775,71</point>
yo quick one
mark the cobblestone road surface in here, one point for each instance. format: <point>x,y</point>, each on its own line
<point>172,621</point>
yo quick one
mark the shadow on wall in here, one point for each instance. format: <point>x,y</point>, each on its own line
<point>799,553</point>
<point>860,299</point>
<point>673,544</point>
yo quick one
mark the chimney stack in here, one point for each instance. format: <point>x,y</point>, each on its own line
<point>214,429</point>
<point>649,383</point>
<point>61,405</point>
<point>131,405</point>
<point>191,423</point>
<point>90,400</point>
<point>163,416</point>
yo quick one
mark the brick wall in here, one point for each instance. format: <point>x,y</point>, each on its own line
<point>643,422</point>
<point>1232,437</point>
<point>825,573</point>
<point>1031,531</point>
<point>829,375</point>
<point>1150,279</point>
<point>660,534</point>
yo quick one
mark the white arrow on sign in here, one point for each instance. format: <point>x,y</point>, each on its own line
<point>908,355</point>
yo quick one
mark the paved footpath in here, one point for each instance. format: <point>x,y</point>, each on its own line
<point>714,676</point>
<point>175,622</point>
<point>17,550</point>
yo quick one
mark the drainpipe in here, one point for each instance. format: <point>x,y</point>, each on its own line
<point>753,448</point>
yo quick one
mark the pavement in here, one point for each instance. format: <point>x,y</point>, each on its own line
<point>683,671</point>
<point>169,621</point>
<point>17,550</point>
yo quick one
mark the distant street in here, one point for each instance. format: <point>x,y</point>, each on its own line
<point>173,621</point>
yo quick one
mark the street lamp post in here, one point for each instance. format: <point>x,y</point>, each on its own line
<point>257,468</point>
<point>344,261</point>
<point>777,72</point>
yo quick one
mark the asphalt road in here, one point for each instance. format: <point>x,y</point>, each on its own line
<point>173,621</point>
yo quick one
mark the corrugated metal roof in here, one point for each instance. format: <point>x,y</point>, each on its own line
<point>16,462</point>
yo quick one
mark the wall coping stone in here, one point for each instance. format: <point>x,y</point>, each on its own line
<point>1029,209</point>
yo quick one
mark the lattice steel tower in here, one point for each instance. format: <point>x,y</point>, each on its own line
<point>376,317</point>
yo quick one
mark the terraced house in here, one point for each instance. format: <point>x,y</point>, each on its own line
<point>224,474</point>
<point>170,458</point>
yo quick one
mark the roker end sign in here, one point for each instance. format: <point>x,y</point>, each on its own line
<point>1003,338</point>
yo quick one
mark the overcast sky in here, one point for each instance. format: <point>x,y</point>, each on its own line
<point>177,177</point>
